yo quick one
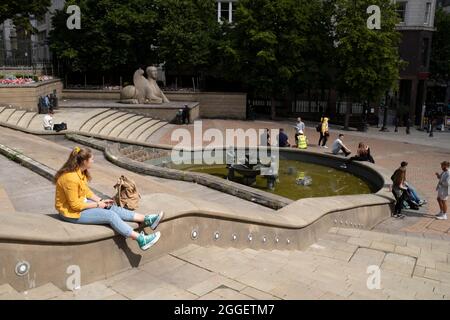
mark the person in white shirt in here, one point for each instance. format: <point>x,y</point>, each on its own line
<point>442,190</point>
<point>338,146</point>
<point>300,126</point>
<point>48,121</point>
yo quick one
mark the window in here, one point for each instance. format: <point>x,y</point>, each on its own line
<point>401,10</point>
<point>225,11</point>
<point>425,51</point>
<point>427,13</point>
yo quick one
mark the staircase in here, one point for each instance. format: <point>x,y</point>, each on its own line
<point>100,122</point>
<point>335,267</point>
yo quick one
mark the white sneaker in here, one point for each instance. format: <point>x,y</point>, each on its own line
<point>441,216</point>
<point>343,166</point>
<point>325,147</point>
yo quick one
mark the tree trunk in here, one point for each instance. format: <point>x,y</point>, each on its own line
<point>272,109</point>
<point>347,113</point>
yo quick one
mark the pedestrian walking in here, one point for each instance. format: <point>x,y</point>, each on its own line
<point>442,190</point>
<point>324,133</point>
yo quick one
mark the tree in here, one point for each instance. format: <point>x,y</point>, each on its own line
<point>368,62</point>
<point>115,36</point>
<point>20,11</point>
<point>267,44</point>
<point>188,34</point>
<point>440,53</point>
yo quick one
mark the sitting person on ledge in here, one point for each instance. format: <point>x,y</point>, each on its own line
<point>338,145</point>
<point>76,203</point>
<point>362,154</point>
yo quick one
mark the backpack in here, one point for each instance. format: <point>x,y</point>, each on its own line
<point>319,127</point>
<point>60,126</point>
<point>127,195</point>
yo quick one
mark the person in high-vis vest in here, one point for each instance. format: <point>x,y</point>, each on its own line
<point>302,141</point>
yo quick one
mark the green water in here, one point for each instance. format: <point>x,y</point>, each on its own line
<point>325,181</point>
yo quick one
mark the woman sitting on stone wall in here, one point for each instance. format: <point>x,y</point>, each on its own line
<point>76,203</point>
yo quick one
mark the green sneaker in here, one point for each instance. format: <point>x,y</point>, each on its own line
<point>152,220</point>
<point>145,241</point>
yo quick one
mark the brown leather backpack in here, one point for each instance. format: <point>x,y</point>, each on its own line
<point>127,195</point>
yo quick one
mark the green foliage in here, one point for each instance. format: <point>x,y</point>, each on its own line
<point>113,34</point>
<point>188,34</point>
<point>440,53</point>
<point>368,62</point>
<point>268,43</point>
<point>20,11</point>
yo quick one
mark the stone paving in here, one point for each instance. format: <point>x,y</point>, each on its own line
<point>424,155</point>
<point>335,267</point>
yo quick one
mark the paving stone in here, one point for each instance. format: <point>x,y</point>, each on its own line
<point>296,291</point>
<point>167,292</point>
<point>257,294</point>
<point>186,276</point>
<point>162,265</point>
<point>43,292</point>
<point>437,275</point>
<point>230,294</point>
<point>117,277</point>
<point>93,291</point>
<point>408,251</point>
<point>398,263</point>
<point>137,285</point>
<point>442,266</point>
<point>362,242</point>
<point>211,296</point>
<point>382,246</point>
<point>394,239</point>
<point>116,297</point>
<point>367,257</point>
<point>419,271</point>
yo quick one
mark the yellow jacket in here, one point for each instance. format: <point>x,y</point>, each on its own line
<point>71,191</point>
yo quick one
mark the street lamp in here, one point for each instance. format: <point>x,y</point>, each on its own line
<point>387,102</point>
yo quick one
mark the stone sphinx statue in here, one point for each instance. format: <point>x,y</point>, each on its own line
<point>144,90</point>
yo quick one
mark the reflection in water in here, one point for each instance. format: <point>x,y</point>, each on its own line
<point>297,180</point>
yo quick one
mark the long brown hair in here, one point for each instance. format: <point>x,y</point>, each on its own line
<point>76,158</point>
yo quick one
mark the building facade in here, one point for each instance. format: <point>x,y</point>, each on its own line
<point>416,27</point>
<point>19,48</point>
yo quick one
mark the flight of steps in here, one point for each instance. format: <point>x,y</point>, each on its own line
<point>102,121</point>
<point>6,205</point>
<point>335,267</point>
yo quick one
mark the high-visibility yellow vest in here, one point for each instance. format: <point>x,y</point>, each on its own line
<point>301,142</point>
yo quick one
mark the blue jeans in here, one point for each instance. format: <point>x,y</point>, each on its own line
<point>115,217</point>
<point>413,194</point>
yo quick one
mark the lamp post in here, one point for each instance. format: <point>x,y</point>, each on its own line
<point>387,102</point>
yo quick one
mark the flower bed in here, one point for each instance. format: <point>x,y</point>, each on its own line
<point>22,79</point>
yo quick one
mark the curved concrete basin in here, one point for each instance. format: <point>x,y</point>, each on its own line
<point>51,246</point>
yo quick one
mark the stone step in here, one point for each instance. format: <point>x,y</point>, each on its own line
<point>146,136</point>
<point>6,205</point>
<point>106,130</point>
<point>44,292</point>
<point>141,129</point>
<point>115,132</point>
<point>4,116</point>
<point>2,108</point>
<point>9,293</point>
<point>88,125</point>
<point>25,121</point>
<point>16,116</point>
<point>104,122</point>
<point>129,130</point>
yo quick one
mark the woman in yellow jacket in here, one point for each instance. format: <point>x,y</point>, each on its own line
<point>76,203</point>
<point>324,133</point>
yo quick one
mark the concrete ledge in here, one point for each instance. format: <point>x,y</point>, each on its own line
<point>100,253</point>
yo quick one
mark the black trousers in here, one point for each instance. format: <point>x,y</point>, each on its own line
<point>324,138</point>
